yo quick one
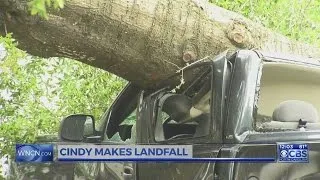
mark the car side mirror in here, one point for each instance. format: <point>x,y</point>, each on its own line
<point>77,127</point>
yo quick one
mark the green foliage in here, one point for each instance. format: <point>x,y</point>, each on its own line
<point>39,7</point>
<point>36,93</point>
<point>297,19</point>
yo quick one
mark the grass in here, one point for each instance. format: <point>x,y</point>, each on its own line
<point>297,19</point>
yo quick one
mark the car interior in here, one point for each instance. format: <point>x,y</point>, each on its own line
<point>288,98</point>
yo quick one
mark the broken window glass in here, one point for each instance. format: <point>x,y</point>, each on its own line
<point>186,113</point>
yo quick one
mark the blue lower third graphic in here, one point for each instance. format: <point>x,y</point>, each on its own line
<point>293,153</point>
<point>34,152</point>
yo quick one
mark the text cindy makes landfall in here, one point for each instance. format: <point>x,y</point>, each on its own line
<point>122,152</point>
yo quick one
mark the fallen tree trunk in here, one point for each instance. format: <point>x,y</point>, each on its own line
<point>143,41</point>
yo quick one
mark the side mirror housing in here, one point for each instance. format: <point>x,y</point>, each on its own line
<point>77,127</point>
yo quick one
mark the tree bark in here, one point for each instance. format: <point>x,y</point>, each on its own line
<point>143,41</point>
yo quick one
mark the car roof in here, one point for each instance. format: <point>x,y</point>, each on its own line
<point>288,58</point>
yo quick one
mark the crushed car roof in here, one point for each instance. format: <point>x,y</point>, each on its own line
<point>289,58</point>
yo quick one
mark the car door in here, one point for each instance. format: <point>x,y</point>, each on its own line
<point>117,128</point>
<point>203,131</point>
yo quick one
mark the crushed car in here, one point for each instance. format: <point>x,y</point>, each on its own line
<point>229,106</point>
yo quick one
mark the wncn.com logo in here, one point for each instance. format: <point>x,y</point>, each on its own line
<point>34,152</point>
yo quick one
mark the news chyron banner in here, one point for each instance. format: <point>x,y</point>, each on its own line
<point>284,153</point>
<point>123,152</point>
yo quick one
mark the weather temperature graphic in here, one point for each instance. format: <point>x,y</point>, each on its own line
<point>293,153</point>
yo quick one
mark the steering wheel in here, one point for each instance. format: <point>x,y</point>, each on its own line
<point>181,136</point>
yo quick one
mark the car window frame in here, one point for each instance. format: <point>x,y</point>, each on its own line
<point>115,106</point>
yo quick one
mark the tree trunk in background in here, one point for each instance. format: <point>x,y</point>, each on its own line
<point>140,40</point>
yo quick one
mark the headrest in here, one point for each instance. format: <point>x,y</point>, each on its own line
<point>177,106</point>
<point>294,110</point>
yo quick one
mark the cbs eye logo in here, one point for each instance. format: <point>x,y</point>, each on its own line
<point>284,153</point>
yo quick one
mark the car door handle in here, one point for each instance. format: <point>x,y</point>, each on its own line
<point>127,172</point>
